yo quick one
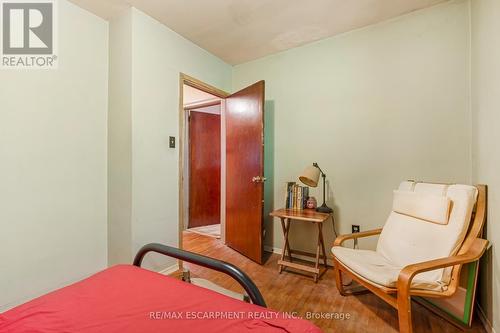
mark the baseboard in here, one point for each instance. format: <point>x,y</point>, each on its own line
<point>484,320</point>
<point>170,269</point>
<point>306,258</point>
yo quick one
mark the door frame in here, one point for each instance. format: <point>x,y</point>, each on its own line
<point>185,79</point>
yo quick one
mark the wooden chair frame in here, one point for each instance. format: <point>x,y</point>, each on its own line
<point>399,298</point>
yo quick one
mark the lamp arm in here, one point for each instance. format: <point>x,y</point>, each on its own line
<point>324,207</point>
<point>317,166</point>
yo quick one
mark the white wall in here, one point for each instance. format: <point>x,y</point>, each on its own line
<point>486,112</point>
<point>120,140</point>
<point>373,107</point>
<point>158,56</point>
<point>53,164</point>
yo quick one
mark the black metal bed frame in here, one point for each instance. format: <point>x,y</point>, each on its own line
<point>211,263</point>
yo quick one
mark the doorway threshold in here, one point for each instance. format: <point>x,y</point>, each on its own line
<point>212,230</point>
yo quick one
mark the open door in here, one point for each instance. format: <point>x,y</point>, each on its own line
<point>245,171</point>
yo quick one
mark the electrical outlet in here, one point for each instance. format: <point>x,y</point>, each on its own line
<point>355,228</point>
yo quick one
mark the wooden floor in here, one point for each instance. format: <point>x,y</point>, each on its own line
<point>292,292</point>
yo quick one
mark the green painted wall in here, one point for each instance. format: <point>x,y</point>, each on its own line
<point>373,107</point>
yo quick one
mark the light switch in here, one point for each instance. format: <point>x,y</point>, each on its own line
<point>171,141</point>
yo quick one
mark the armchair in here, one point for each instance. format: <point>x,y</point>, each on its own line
<point>432,231</point>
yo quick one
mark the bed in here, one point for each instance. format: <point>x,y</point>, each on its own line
<point>127,298</point>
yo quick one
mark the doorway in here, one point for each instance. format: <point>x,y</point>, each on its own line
<point>203,159</point>
<point>221,165</point>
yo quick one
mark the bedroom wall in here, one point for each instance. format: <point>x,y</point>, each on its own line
<point>53,164</point>
<point>486,117</point>
<point>120,140</point>
<point>373,107</point>
<point>158,56</point>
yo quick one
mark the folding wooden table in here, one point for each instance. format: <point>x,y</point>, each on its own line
<point>304,215</point>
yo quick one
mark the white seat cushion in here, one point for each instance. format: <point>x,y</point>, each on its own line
<point>372,267</point>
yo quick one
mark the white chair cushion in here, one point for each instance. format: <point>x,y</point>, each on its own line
<point>424,206</point>
<point>372,267</point>
<point>407,240</point>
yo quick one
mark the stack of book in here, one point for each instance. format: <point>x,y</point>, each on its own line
<point>296,196</point>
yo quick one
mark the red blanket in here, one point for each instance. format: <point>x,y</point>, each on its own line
<point>126,298</point>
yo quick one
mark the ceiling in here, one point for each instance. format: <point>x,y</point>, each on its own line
<point>238,31</point>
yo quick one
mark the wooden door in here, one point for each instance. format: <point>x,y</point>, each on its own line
<point>204,169</point>
<point>245,170</point>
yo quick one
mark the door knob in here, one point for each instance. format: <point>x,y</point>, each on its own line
<point>258,179</point>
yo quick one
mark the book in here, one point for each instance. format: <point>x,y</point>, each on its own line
<point>305,197</point>
<point>296,196</point>
<point>288,194</point>
<point>301,197</point>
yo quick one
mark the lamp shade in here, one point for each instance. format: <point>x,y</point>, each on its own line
<point>310,176</point>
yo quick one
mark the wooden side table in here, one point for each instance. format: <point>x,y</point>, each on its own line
<point>305,215</point>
